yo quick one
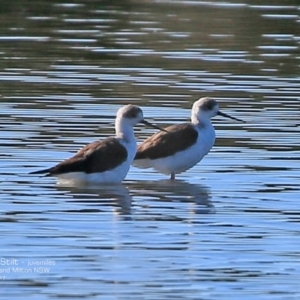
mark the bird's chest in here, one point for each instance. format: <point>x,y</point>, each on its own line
<point>198,150</point>
<point>131,147</point>
<point>206,140</point>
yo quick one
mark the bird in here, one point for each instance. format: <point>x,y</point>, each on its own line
<point>181,146</point>
<point>103,161</point>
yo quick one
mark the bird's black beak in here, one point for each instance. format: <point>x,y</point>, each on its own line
<point>153,126</point>
<point>230,117</point>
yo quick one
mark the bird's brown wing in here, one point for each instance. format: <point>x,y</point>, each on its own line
<point>162,144</point>
<point>98,156</point>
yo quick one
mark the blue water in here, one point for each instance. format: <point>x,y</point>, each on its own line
<point>227,228</point>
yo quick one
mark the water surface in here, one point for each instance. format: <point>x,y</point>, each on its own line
<point>227,228</point>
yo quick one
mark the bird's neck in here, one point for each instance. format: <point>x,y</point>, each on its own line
<point>200,121</point>
<point>124,131</point>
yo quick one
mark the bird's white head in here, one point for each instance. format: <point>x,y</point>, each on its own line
<point>204,109</point>
<point>130,115</point>
<point>127,117</point>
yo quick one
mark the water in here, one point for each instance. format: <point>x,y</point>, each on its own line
<point>226,229</point>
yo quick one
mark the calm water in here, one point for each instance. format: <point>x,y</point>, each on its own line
<point>226,229</point>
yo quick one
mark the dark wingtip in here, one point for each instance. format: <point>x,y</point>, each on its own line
<point>41,172</point>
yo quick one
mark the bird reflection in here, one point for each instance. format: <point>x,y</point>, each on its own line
<point>176,191</point>
<point>116,196</point>
<point>119,197</point>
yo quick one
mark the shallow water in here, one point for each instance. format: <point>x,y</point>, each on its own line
<point>226,229</point>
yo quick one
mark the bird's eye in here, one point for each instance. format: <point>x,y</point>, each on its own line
<point>133,114</point>
<point>210,105</point>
